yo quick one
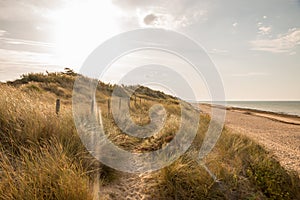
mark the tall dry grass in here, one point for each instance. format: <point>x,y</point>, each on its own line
<point>244,170</point>
<point>42,156</point>
<point>43,173</point>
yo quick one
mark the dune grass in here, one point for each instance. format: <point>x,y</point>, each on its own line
<point>244,170</point>
<point>43,173</point>
<point>42,157</point>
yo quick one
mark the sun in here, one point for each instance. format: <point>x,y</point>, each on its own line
<point>80,27</point>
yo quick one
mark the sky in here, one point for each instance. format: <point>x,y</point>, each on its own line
<point>255,45</point>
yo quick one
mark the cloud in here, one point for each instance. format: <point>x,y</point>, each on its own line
<point>24,57</point>
<point>249,74</point>
<point>27,20</point>
<point>30,10</point>
<point>264,30</point>
<point>218,51</point>
<point>10,43</point>
<point>2,33</point>
<point>165,14</point>
<point>166,20</point>
<point>150,19</point>
<point>15,41</point>
<point>14,63</point>
<point>283,43</point>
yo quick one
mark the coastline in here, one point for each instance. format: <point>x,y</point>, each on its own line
<point>280,117</point>
<point>278,133</point>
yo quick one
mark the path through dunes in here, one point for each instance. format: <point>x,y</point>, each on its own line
<point>130,187</point>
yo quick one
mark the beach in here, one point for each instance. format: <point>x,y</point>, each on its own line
<point>278,133</point>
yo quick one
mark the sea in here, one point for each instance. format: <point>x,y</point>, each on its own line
<point>282,107</point>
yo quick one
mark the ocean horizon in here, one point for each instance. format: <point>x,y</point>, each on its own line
<point>281,107</point>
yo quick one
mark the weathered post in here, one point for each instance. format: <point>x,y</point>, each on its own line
<point>108,107</point>
<point>129,103</point>
<point>100,117</point>
<point>57,106</point>
<point>92,106</point>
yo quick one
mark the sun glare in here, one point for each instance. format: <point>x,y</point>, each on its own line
<point>80,27</point>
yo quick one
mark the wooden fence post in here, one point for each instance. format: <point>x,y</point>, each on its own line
<point>57,106</point>
<point>129,103</point>
<point>108,107</point>
<point>100,117</point>
<point>92,106</point>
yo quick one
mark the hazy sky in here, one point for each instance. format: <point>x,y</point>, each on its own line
<point>254,44</point>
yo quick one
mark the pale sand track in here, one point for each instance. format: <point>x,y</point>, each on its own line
<point>130,187</point>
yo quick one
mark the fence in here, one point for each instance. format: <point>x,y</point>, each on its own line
<point>108,102</point>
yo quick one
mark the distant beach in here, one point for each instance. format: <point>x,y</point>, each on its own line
<point>280,107</point>
<point>278,132</point>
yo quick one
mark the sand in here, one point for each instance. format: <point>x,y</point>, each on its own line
<point>278,133</point>
<point>130,187</point>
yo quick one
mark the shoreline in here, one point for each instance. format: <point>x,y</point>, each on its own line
<point>280,117</point>
<point>278,133</point>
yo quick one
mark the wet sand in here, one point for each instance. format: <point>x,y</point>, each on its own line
<point>278,133</point>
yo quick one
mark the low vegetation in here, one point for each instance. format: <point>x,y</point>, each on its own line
<point>42,157</point>
<point>243,170</point>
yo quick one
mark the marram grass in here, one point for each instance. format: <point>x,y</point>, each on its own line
<point>42,157</point>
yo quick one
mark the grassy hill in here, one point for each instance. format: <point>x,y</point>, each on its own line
<point>42,157</point>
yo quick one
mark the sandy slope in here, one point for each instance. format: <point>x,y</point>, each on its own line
<point>280,134</point>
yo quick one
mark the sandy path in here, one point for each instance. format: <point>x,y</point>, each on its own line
<point>279,134</point>
<point>130,187</point>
